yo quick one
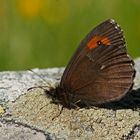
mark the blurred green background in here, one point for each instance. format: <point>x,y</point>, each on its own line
<point>45,33</point>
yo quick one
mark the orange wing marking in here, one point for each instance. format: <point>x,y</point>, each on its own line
<point>93,42</point>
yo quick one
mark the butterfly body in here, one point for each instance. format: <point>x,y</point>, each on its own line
<point>100,71</point>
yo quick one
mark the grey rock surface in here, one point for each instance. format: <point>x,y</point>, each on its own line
<point>11,131</point>
<point>31,115</point>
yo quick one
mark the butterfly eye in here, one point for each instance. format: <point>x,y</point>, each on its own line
<point>99,42</point>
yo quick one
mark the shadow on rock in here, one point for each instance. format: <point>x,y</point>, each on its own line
<point>130,101</point>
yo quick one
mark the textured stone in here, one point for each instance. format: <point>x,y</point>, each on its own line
<point>9,131</point>
<point>33,111</point>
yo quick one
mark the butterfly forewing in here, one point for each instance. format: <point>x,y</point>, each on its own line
<point>100,71</point>
<point>101,29</point>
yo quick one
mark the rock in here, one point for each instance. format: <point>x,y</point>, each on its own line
<point>11,131</point>
<point>30,114</point>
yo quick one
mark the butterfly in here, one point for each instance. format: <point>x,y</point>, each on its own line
<point>100,70</point>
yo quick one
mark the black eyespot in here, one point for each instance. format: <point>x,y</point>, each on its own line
<point>99,42</point>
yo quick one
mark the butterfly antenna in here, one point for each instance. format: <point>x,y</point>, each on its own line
<point>48,85</point>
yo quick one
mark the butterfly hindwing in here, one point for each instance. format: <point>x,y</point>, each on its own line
<point>100,70</point>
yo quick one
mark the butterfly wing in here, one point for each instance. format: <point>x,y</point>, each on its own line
<point>100,70</point>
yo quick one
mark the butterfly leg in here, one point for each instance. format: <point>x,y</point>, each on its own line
<point>60,111</point>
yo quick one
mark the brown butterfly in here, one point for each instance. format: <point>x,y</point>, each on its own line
<point>100,71</point>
